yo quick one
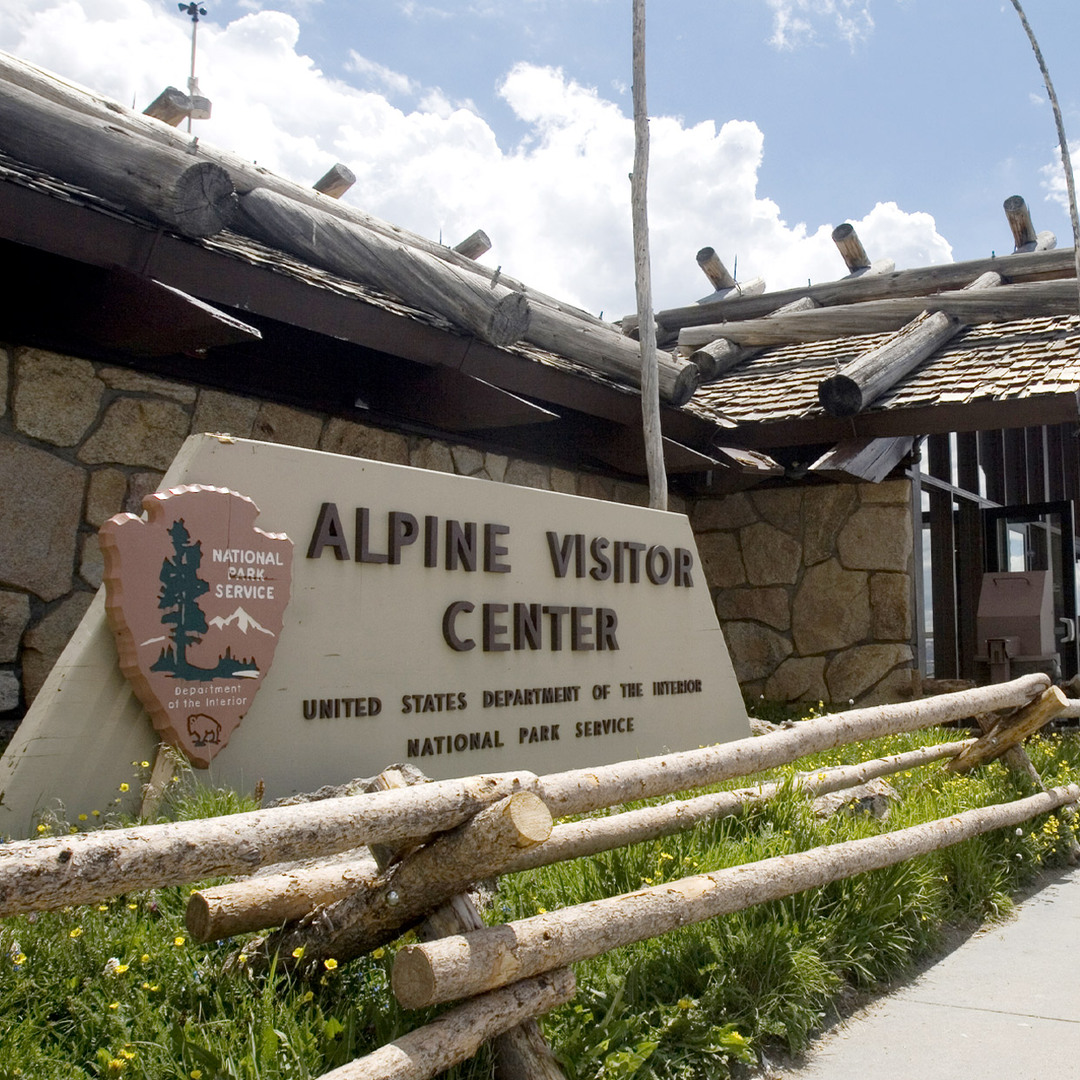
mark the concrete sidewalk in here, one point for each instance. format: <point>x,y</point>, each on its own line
<point>1004,1005</point>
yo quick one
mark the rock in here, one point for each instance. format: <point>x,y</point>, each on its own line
<point>825,510</point>
<point>358,440</point>
<point>831,609</point>
<point>9,691</point>
<point>137,431</point>
<point>890,607</point>
<point>528,474</point>
<point>140,485</point>
<point>495,466</point>
<point>563,480</point>
<point>781,508</point>
<point>854,672</point>
<point>5,378</point>
<point>632,494</point>
<point>431,455</point>
<point>798,678</point>
<point>117,378</point>
<point>39,519</point>
<point>14,617</point>
<point>897,492</point>
<point>91,561</point>
<point>871,799</point>
<point>45,642</point>
<point>287,426</point>
<point>56,397</point>
<point>770,555</point>
<point>731,512</point>
<point>721,560</point>
<point>769,606</point>
<point>224,414</point>
<point>756,652</point>
<point>467,461</point>
<point>876,538</point>
<point>105,495</point>
<point>592,486</point>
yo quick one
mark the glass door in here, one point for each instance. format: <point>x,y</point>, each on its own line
<point>1040,536</point>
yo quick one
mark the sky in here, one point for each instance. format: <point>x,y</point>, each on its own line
<point>771,121</point>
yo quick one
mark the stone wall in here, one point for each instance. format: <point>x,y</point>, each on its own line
<point>82,441</point>
<point>813,586</point>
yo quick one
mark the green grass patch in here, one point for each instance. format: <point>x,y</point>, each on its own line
<point>119,990</point>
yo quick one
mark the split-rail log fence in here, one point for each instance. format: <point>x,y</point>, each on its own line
<point>435,840</point>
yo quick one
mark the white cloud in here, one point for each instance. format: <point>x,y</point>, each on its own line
<point>380,74</point>
<point>556,204</point>
<point>1053,176</point>
<point>795,22</point>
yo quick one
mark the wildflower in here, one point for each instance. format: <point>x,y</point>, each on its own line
<point>43,828</point>
<point>116,1065</point>
<point>330,964</point>
<point>82,817</point>
<point>103,907</point>
<point>307,997</point>
<point>133,907</point>
<point>95,813</point>
<point>19,959</point>
<point>125,787</point>
<point>144,958</point>
<point>76,933</point>
<point>685,1003</point>
<point>73,829</point>
<point>242,958</point>
<point>195,1074</point>
<point>127,1054</point>
<point>378,954</point>
<point>298,952</point>
<point>178,940</point>
<point>114,1004</point>
<point>145,764</point>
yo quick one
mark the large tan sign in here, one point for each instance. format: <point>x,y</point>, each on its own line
<point>456,624</point>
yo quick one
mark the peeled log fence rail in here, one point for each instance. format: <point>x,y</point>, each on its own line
<point>469,964</point>
<point>38,875</point>
<point>441,832</point>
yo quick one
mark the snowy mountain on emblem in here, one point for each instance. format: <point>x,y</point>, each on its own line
<point>242,620</point>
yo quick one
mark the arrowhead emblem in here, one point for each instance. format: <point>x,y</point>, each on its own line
<point>196,597</point>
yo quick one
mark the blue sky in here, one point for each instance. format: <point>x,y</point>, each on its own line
<point>773,120</point>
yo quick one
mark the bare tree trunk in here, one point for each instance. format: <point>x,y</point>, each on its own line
<point>650,376</point>
<point>458,967</point>
<point>1066,161</point>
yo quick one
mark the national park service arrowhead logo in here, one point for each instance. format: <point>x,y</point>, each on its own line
<point>195,596</point>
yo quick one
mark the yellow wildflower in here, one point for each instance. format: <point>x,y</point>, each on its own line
<point>178,941</point>
<point>125,787</point>
<point>330,964</point>
<point>298,952</point>
<point>76,933</point>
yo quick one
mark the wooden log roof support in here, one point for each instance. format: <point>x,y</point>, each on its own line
<point>854,254</point>
<point>336,181</point>
<point>1024,234</point>
<point>868,376</point>
<point>474,245</point>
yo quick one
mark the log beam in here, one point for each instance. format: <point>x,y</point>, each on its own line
<point>448,865</point>
<point>335,181</point>
<point>850,247</point>
<point>458,967</point>
<point>714,269</point>
<point>1004,304</point>
<point>474,245</point>
<point>1011,731</point>
<point>38,875</point>
<point>457,1035</point>
<point>195,198</point>
<point>489,311</point>
<point>863,460</point>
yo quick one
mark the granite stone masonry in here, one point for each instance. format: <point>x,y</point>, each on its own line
<point>812,585</point>
<point>813,588</point>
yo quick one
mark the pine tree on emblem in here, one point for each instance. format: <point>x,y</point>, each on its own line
<point>181,587</point>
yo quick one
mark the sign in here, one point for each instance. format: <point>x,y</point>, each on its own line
<point>457,624</point>
<point>195,596</point>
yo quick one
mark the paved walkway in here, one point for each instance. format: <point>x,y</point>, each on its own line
<point>1004,1005</point>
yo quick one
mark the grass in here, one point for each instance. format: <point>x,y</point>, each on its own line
<point>119,990</point>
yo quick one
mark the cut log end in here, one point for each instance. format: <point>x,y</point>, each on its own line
<point>412,979</point>
<point>840,396</point>
<point>509,320</point>
<point>685,383</point>
<point>531,819</point>
<point>204,200</point>
<point>474,245</point>
<point>198,918</point>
